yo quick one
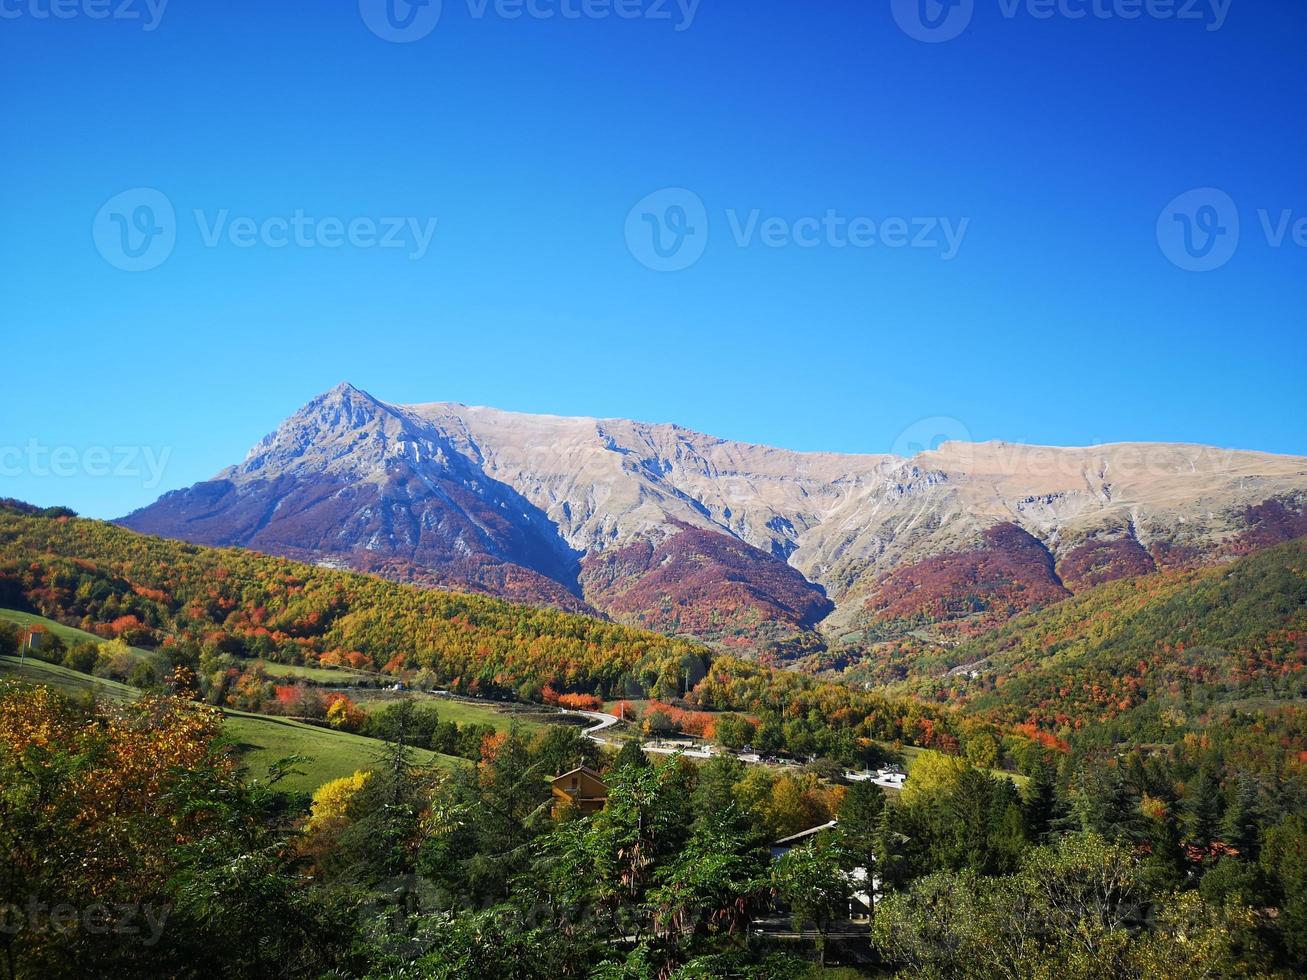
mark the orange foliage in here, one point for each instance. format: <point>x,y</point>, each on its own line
<point>700,723</point>
<point>580,702</point>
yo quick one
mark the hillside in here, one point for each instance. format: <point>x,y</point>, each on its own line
<point>226,612</point>
<point>1152,653</point>
<point>259,741</point>
<point>116,583</point>
<point>740,545</point>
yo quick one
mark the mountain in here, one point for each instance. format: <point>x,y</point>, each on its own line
<point>1148,653</point>
<point>658,526</point>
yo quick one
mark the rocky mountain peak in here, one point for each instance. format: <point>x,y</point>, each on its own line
<point>659,525</point>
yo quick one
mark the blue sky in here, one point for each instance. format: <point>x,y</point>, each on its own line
<point>1051,145</point>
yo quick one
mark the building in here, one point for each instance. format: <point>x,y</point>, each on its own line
<point>890,778</point>
<point>33,637</point>
<point>582,789</point>
<point>866,886</point>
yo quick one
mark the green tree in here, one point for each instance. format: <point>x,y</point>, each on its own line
<point>814,883</point>
<point>715,791</point>
<point>1242,824</point>
<point>1202,809</point>
<point>734,731</point>
<point>1039,801</point>
<point>710,888</point>
<point>859,821</point>
<point>631,754</point>
<point>1283,860</point>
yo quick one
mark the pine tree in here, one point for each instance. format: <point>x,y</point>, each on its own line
<point>891,866</point>
<point>1202,810</point>
<point>1242,824</point>
<point>631,754</point>
<point>1040,802</point>
<point>859,817</point>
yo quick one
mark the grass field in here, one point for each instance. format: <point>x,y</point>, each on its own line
<point>65,680</point>
<point>68,634</point>
<point>260,739</point>
<point>319,675</point>
<point>263,739</point>
<point>501,716</point>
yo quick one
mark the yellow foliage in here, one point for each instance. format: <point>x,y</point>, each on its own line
<point>332,799</point>
<point>932,775</point>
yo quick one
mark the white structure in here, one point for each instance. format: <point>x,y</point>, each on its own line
<point>892,778</point>
<point>861,904</point>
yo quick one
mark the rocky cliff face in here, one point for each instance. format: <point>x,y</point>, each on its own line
<point>683,532</point>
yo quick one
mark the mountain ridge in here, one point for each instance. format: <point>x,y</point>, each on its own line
<point>658,525</point>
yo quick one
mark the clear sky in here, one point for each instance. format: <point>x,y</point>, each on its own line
<point>820,139</point>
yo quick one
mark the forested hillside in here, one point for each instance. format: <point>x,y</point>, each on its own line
<point>150,591</point>
<point>1153,659</point>
<point>1156,723</point>
<point>1236,633</point>
<point>210,608</point>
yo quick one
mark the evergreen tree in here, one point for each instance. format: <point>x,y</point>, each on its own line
<point>1005,830</point>
<point>714,794</point>
<point>1039,804</point>
<point>859,818</point>
<point>891,866</point>
<point>631,754</point>
<point>1241,826</point>
<point>1202,810</point>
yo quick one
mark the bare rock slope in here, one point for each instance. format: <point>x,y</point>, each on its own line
<point>683,532</point>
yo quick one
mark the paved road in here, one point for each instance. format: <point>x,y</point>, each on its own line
<point>602,721</point>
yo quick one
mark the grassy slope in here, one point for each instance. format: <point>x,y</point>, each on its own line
<point>319,675</point>
<point>261,739</point>
<point>499,715</point>
<point>69,634</point>
<point>65,680</point>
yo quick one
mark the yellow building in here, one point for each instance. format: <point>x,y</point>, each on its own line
<point>582,788</point>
